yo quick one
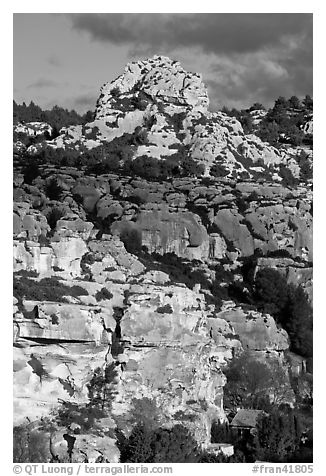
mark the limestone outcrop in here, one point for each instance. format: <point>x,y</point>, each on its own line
<point>134,286</point>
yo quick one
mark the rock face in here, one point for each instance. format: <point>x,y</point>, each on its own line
<point>132,274</point>
<point>164,80</point>
<point>256,331</point>
<point>58,346</point>
<point>159,99</point>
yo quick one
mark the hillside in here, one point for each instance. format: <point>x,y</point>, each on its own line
<point>154,245</point>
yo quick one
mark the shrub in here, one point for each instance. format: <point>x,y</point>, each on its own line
<point>287,177</point>
<point>221,433</point>
<point>290,306</point>
<point>138,447</point>
<point>278,437</point>
<point>167,309</point>
<point>270,290</point>
<point>103,294</point>
<point>132,239</point>
<point>53,190</point>
<point>30,446</point>
<point>47,289</point>
<point>218,170</point>
<point>101,388</point>
<point>115,92</point>
<point>53,216</point>
<point>85,416</point>
<point>31,172</point>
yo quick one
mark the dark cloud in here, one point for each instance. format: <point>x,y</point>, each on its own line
<point>246,56</point>
<point>43,83</point>
<point>219,32</point>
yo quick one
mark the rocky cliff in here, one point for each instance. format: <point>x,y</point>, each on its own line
<point>122,272</point>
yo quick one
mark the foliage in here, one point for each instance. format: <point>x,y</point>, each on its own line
<point>289,305</point>
<point>30,446</point>
<point>103,294</point>
<point>282,123</point>
<point>218,170</point>
<point>167,309</point>
<point>53,190</point>
<point>270,291</point>
<point>115,92</point>
<point>287,177</point>
<point>53,216</point>
<point>31,172</point>
<point>251,383</point>
<point>101,388</point>
<point>145,411</point>
<point>132,239</point>
<point>160,445</point>
<point>57,117</point>
<point>86,417</point>
<point>138,447</point>
<point>47,289</point>
<point>221,433</point>
<point>278,437</point>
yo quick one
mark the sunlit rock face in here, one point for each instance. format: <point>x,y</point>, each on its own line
<point>166,333</point>
<point>158,98</point>
<point>166,350</point>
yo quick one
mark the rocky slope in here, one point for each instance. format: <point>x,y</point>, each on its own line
<point>93,289</point>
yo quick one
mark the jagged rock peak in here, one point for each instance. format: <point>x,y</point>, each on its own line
<point>161,80</point>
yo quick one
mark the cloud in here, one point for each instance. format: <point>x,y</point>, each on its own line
<point>54,60</point>
<point>219,32</point>
<point>43,83</point>
<point>243,58</point>
<point>85,100</point>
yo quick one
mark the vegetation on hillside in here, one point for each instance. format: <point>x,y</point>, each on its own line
<point>282,124</point>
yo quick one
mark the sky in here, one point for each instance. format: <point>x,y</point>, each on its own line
<point>244,58</point>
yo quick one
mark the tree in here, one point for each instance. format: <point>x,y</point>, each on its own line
<point>145,411</point>
<point>101,388</point>
<point>278,437</point>
<point>294,102</point>
<point>30,446</point>
<point>270,291</point>
<point>257,106</point>
<point>175,445</point>
<point>138,447</point>
<point>281,103</point>
<point>132,239</point>
<point>53,190</point>
<point>247,380</point>
<point>308,102</point>
<point>221,433</point>
<point>254,384</point>
<point>31,172</point>
<point>53,216</point>
<point>297,319</point>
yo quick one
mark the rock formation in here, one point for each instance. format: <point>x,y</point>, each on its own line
<point>120,270</point>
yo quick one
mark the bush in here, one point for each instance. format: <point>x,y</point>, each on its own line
<point>218,170</point>
<point>278,437</point>
<point>102,388</point>
<point>47,289</point>
<point>103,294</point>
<point>30,446</point>
<point>31,172</point>
<point>115,92</point>
<point>85,416</point>
<point>53,216</point>
<point>132,239</point>
<point>167,309</point>
<point>271,291</point>
<point>53,190</point>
